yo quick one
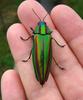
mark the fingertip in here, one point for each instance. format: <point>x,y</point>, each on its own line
<point>61,10</point>
<point>11,86</point>
<point>11,30</point>
<point>67,21</point>
<point>7,75</point>
<point>7,78</point>
<point>5,81</point>
<point>29,18</point>
<point>26,7</point>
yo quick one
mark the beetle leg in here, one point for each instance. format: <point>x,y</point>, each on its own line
<point>58,64</point>
<point>25,39</point>
<point>58,43</point>
<point>28,57</point>
<point>32,29</point>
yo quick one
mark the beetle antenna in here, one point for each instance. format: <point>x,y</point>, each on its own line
<point>45,16</point>
<point>36,14</point>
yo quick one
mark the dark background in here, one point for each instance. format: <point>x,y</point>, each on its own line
<point>8,16</point>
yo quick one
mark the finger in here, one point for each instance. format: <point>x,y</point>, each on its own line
<point>11,86</point>
<point>71,78</point>
<point>70,26</point>
<point>19,49</point>
<point>29,18</point>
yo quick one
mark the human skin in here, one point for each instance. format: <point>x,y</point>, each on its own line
<point>20,83</point>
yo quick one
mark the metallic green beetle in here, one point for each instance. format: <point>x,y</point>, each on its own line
<point>42,50</point>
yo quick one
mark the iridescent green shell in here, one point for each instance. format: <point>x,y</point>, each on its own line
<point>42,52</point>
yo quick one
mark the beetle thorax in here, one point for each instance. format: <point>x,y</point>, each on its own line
<point>42,27</point>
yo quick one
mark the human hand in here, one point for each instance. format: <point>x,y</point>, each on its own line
<point>67,28</point>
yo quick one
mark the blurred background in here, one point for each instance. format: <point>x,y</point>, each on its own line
<point>8,16</point>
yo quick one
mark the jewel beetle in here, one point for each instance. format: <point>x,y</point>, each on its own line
<point>42,50</point>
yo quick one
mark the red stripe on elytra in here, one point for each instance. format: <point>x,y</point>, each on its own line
<point>36,52</point>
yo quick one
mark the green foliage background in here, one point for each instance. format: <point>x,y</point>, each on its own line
<point>8,16</point>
